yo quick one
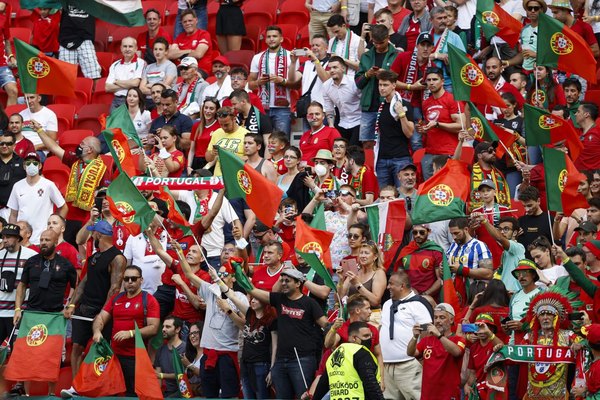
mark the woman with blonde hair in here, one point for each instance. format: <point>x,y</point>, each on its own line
<point>369,281</point>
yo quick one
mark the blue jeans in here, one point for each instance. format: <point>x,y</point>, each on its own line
<point>281,119</point>
<point>254,377</point>
<point>223,378</point>
<point>513,179</point>
<point>367,126</point>
<point>201,13</point>
<point>427,165</point>
<point>387,170</point>
<point>287,377</point>
<point>416,141</point>
<point>535,155</point>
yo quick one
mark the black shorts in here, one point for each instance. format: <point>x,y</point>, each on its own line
<point>230,21</point>
<point>82,331</point>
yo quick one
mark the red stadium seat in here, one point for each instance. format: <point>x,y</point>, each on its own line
<point>240,58</point>
<point>100,95</point>
<point>87,117</point>
<point>269,7</point>
<point>303,38</point>
<point>212,8</point>
<point>293,5</point>
<point>293,17</point>
<point>23,34</point>
<point>83,93</point>
<point>65,113</point>
<point>23,19</point>
<point>105,60</point>
<point>57,172</point>
<point>259,18</point>
<point>171,14</point>
<point>71,138</point>
<point>119,34</point>
<point>15,108</point>
<point>101,37</point>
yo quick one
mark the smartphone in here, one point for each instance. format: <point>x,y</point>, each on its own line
<point>424,327</point>
<point>375,67</point>
<point>98,203</point>
<point>470,328</point>
<point>300,52</point>
<point>349,264</point>
<point>576,316</point>
<point>505,320</point>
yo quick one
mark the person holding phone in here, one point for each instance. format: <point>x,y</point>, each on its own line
<point>168,160</point>
<point>163,362</point>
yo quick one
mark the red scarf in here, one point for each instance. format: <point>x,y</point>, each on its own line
<point>281,68</point>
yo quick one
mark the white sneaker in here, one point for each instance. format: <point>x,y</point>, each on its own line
<point>68,393</point>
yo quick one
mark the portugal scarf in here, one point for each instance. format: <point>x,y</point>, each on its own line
<point>502,189</point>
<point>83,181</point>
<point>281,68</point>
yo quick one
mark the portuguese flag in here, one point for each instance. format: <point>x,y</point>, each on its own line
<point>182,380</point>
<point>146,384</point>
<point>120,119</point>
<point>560,47</point>
<point>42,74</point>
<point>240,277</point>
<point>313,240</point>
<point>544,128</point>
<point>119,149</point>
<point>497,22</point>
<point>315,263</point>
<point>386,222</point>
<point>469,83</point>
<point>490,132</point>
<point>100,373</point>
<point>444,195</point>
<point>562,181</point>
<point>38,349</point>
<point>243,181</point>
<point>128,205</point>
<point>175,215</point>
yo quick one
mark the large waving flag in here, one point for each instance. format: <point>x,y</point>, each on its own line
<point>128,205</point>
<point>562,182</point>
<point>469,83</point>
<point>120,119</point>
<point>543,128</point>
<point>311,240</point>
<point>560,47</point>
<point>444,195</point>
<point>497,22</point>
<point>118,12</point>
<point>146,383</point>
<point>386,222</point>
<point>37,351</point>
<point>243,181</point>
<point>315,263</point>
<point>42,74</point>
<point>490,132</point>
<point>100,373</point>
<point>119,149</point>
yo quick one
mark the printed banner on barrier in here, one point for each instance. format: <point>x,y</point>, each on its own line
<point>189,183</point>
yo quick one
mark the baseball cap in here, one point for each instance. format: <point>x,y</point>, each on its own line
<point>445,307</point>
<point>424,37</point>
<point>102,227</point>
<point>188,62</point>
<point>32,155</point>
<point>12,230</point>
<point>221,59</point>
<point>486,183</point>
<point>409,165</point>
<point>587,226</point>
<point>293,273</point>
<point>484,146</point>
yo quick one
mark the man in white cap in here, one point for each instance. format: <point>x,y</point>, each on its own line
<point>190,91</point>
<point>442,353</point>
<point>221,88</point>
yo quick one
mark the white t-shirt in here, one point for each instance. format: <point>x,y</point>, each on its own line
<point>7,299</point>
<point>138,250</point>
<point>221,93</point>
<point>45,117</point>
<point>466,11</point>
<point>554,272</point>
<point>122,71</point>
<point>142,122</point>
<point>255,67</point>
<point>214,240</point>
<point>35,203</point>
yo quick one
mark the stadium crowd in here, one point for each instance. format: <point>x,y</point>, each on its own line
<point>356,118</point>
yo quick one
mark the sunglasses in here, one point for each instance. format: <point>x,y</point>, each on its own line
<point>419,233</point>
<point>29,162</point>
<point>222,274</point>
<point>131,278</point>
<point>353,236</point>
<point>6,143</point>
<point>346,193</point>
<point>223,114</point>
<point>534,8</point>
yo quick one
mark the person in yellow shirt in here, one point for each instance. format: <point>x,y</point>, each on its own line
<point>230,136</point>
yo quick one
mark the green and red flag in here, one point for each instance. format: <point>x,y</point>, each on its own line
<point>468,81</point>
<point>497,22</point>
<point>444,195</point>
<point>118,12</point>
<point>315,263</point>
<point>119,149</point>
<point>562,182</point>
<point>100,373</point>
<point>240,277</point>
<point>120,118</point>
<point>490,132</point>
<point>183,384</point>
<point>42,74</point>
<point>311,240</point>
<point>128,205</point>
<point>37,351</point>
<point>146,383</point>
<point>386,222</point>
<point>242,181</point>
<point>175,215</point>
<point>31,4</point>
<point>560,47</point>
<point>545,128</point>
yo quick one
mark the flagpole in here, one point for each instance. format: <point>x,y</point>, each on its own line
<point>508,151</point>
<point>462,124</point>
<point>377,204</point>
<point>498,51</point>
<point>498,212</point>
<point>11,334</point>
<point>550,225</point>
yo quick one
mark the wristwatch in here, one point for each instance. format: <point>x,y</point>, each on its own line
<point>229,312</point>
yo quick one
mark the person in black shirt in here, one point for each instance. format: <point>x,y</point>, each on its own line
<point>535,222</point>
<point>11,170</point>
<point>76,39</point>
<point>393,130</point>
<point>250,117</point>
<point>297,317</point>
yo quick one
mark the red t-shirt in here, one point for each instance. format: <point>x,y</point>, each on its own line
<point>69,252</point>
<point>203,139</point>
<point>24,147</point>
<point>422,269</point>
<point>5,29</point>
<point>146,43</point>
<point>593,378</point>
<point>191,42</point>
<point>288,234</point>
<point>280,166</point>
<point>483,235</point>
<point>343,332</point>
<point>412,33</point>
<point>478,356</point>
<point>441,370</point>
<point>365,184</point>
<point>439,141</point>
<point>400,66</point>
<point>585,31</point>
<point>45,31</point>
<point>124,312</point>
<point>261,278</point>
<point>176,156</point>
<point>311,143</point>
<point>588,159</point>
<point>183,308</point>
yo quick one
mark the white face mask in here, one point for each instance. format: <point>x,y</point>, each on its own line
<point>32,170</point>
<point>320,170</point>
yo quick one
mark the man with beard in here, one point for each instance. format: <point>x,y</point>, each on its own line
<point>249,116</point>
<point>407,177</point>
<point>572,89</point>
<point>298,318</point>
<point>63,248</point>
<point>102,281</point>
<point>529,37</point>
<point>23,146</point>
<point>493,70</point>
<point>221,88</point>
<point>46,275</point>
<point>362,178</point>
<point>422,261</point>
<point>344,43</point>
<point>163,363</point>
<point>253,144</point>
<point>484,169</point>
<point>171,116</point>
<point>319,136</point>
<point>442,120</point>
<point>88,173</point>
<point>442,353</point>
